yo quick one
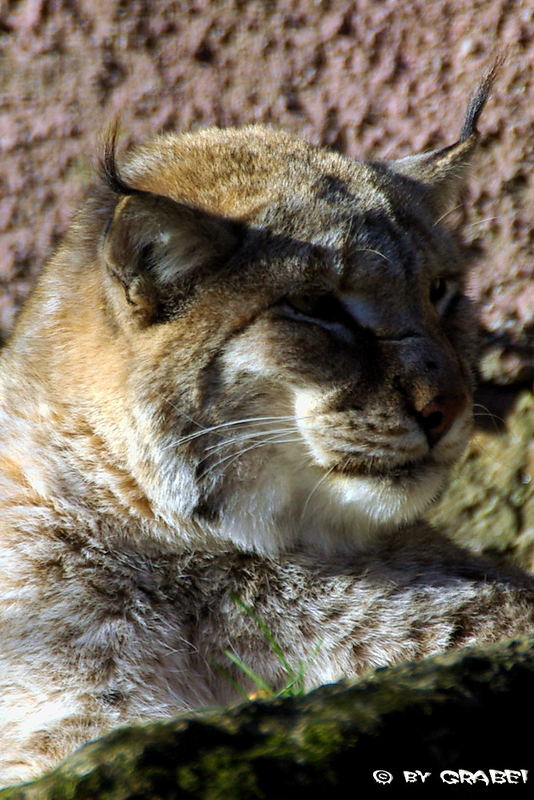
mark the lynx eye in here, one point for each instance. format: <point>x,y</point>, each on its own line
<point>442,291</point>
<point>322,307</point>
<point>323,310</point>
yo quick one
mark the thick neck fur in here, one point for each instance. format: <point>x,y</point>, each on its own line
<point>64,414</point>
<point>76,442</point>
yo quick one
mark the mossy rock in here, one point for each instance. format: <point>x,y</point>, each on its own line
<point>489,503</point>
<point>460,710</point>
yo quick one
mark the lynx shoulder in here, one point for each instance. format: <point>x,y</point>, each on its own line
<point>246,371</point>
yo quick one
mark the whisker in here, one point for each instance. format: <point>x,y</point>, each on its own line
<point>486,412</point>
<point>253,435</point>
<point>509,463</point>
<point>446,214</point>
<point>222,425</point>
<point>376,252</point>
<point>202,427</point>
<point>489,414</point>
<point>183,414</point>
<point>319,482</point>
<point>233,456</point>
<point>266,440</point>
<point>482,221</point>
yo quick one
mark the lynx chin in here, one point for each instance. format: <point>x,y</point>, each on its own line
<point>246,370</point>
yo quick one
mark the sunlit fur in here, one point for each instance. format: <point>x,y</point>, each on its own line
<point>233,376</point>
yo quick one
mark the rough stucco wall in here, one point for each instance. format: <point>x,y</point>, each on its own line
<point>381,77</point>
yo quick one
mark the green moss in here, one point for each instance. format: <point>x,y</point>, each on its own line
<point>489,503</point>
<point>219,773</point>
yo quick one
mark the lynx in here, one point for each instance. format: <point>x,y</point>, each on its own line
<point>245,372</point>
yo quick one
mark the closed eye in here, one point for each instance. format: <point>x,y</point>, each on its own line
<point>324,310</point>
<point>442,292</point>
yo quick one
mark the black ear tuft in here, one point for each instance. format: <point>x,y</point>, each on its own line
<point>479,98</point>
<point>108,168</point>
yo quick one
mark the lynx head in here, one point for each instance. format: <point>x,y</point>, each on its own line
<point>292,348</point>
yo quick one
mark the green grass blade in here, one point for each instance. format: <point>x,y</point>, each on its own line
<point>228,677</point>
<point>266,632</point>
<point>260,683</point>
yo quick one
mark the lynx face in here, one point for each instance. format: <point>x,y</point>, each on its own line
<point>369,345</point>
<point>303,347</point>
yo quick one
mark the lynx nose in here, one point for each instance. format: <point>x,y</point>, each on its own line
<point>437,417</point>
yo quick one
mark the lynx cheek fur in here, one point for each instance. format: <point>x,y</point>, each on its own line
<point>246,370</point>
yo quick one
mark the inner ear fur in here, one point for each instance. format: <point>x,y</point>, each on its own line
<point>155,247</point>
<point>439,174</point>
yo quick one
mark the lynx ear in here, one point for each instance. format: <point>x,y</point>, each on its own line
<point>441,173</point>
<point>156,247</point>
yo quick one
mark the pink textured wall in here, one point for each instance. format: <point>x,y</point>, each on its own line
<point>370,77</point>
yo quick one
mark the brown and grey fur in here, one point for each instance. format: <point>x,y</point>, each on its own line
<point>246,370</point>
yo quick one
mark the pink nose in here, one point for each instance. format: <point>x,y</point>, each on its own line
<point>437,417</point>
